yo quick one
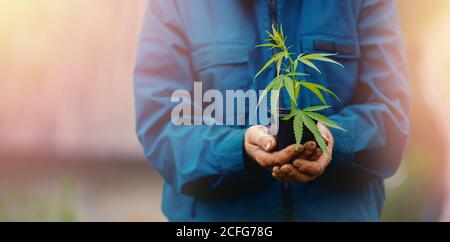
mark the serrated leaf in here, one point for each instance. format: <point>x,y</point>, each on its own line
<point>295,64</point>
<point>313,88</point>
<point>268,63</point>
<point>309,63</point>
<point>274,58</point>
<point>315,108</point>
<point>290,88</point>
<point>316,87</point>
<point>270,86</point>
<point>328,91</point>
<point>309,123</point>
<point>298,128</point>
<point>271,45</point>
<point>289,116</point>
<point>297,74</point>
<point>324,120</point>
<point>281,31</point>
<point>279,62</point>
<point>322,57</point>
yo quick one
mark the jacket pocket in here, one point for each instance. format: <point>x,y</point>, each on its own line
<point>342,81</point>
<point>344,47</point>
<point>223,66</point>
<point>219,54</point>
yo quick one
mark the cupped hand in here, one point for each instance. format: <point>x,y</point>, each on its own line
<point>310,164</point>
<point>260,146</point>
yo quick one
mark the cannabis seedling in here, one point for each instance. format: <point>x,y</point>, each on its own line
<point>288,78</point>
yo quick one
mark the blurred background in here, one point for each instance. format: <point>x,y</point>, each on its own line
<point>68,151</point>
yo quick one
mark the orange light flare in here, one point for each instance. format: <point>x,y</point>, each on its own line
<point>66,75</point>
<point>435,83</point>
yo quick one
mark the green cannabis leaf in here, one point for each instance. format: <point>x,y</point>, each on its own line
<point>286,75</point>
<point>298,127</point>
<point>307,59</point>
<point>311,125</point>
<point>290,87</point>
<point>315,108</point>
<point>318,89</point>
<point>322,119</point>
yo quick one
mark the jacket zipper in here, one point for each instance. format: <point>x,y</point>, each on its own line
<point>273,11</point>
<point>287,192</point>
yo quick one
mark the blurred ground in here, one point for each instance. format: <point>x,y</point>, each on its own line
<point>77,192</point>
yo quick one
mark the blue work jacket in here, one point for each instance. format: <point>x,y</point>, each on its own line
<point>206,177</point>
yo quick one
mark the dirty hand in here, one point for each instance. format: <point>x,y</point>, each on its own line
<point>260,145</point>
<point>309,164</point>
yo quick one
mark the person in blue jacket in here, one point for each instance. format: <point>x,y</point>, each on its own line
<point>232,173</point>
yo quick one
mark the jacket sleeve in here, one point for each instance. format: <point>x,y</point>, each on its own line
<point>191,159</point>
<point>377,118</point>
